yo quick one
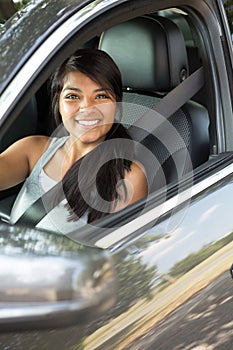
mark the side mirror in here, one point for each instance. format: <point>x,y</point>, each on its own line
<point>48,281</point>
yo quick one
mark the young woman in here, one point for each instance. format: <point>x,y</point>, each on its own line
<point>95,161</point>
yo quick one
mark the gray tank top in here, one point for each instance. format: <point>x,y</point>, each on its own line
<point>57,219</point>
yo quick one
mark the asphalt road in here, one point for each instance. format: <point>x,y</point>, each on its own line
<point>205,322</point>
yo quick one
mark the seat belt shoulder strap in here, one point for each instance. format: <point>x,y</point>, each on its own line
<point>168,105</point>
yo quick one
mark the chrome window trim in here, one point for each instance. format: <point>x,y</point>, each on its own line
<point>45,51</point>
<point>113,239</point>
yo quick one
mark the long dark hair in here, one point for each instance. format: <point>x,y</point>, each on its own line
<point>93,191</point>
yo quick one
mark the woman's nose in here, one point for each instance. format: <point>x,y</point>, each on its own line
<point>84,103</point>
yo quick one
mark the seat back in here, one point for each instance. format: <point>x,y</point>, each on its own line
<point>151,55</point>
<point>24,125</point>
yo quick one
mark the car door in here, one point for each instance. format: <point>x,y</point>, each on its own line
<point>172,252</point>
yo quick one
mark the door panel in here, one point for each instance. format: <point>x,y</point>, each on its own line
<point>176,284</point>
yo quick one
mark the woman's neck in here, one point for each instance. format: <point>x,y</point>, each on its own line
<point>76,149</point>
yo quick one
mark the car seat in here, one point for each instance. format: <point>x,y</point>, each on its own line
<point>151,55</point>
<point>24,125</point>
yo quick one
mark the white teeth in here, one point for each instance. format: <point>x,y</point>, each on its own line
<point>88,122</point>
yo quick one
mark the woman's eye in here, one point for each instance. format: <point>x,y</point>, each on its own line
<point>102,96</point>
<point>71,97</point>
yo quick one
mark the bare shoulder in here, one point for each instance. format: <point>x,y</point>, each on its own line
<point>37,146</point>
<point>137,181</point>
<point>29,144</point>
<point>25,153</point>
<point>136,173</point>
<point>34,146</point>
<point>36,140</point>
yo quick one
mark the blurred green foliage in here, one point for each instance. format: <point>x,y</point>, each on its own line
<point>229,11</point>
<point>194,259</point>
<point>9,7</point>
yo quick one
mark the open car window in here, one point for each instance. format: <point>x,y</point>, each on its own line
<point>184,142</point>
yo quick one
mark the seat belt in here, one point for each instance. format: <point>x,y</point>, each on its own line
<point>168,105</point>
<point>42,206</point>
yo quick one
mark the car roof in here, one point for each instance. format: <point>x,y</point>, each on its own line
<point>22,34</point>
<point>27,29</point>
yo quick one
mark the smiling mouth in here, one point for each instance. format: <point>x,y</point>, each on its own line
<point>88,124</point>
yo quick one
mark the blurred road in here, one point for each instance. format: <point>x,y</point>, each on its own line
<point>205,322</point>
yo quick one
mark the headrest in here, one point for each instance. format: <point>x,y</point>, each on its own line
<point>149,51</point>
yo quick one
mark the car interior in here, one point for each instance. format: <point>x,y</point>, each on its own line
<point>166,40</point>
<point>146,82</point>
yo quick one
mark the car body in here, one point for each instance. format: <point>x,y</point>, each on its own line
<point>157,274</point>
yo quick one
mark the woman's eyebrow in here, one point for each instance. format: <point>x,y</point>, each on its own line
<point>72,88</point>
<point>102,89</point>
<point>79,90</point>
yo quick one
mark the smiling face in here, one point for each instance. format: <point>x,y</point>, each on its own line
<point>87,108</point>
